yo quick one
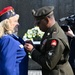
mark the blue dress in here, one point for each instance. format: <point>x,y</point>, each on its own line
<point>13,57</point>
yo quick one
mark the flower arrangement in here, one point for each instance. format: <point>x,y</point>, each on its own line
<point>34,34</point>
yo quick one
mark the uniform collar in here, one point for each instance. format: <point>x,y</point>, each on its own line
<point>51,29</point>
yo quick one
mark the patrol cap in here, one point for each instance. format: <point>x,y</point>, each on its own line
<point>42,12</point>
<point>6,13</point>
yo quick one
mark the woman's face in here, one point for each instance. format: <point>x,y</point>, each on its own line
<point>14,22</point>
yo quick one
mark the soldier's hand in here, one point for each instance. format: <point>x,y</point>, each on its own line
<point>28,47</point>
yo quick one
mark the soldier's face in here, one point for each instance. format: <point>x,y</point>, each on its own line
<point>42,25</point>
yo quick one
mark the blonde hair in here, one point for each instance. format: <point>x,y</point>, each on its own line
<point>1,30</point>
<point>5,26</point>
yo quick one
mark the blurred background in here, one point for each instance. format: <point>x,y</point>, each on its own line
<point>63,8</point>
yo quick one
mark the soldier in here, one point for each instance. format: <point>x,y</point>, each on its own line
<point>54,50</point>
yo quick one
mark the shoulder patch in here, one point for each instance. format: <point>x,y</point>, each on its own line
<point>54,42</point>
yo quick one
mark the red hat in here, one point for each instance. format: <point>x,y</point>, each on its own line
<point>6,13</point>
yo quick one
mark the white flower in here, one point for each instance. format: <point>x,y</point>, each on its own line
<point>33,34</point>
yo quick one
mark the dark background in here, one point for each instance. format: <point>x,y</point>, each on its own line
<point>63,8</point>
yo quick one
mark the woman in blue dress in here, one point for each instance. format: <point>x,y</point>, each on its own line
<point>13,56</point>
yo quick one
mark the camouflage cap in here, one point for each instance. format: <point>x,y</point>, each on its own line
<point>42,12</point>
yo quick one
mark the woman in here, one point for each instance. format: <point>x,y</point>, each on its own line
<point>12,52</point>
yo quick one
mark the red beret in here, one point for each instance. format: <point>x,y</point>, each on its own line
<point>6,13</point>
